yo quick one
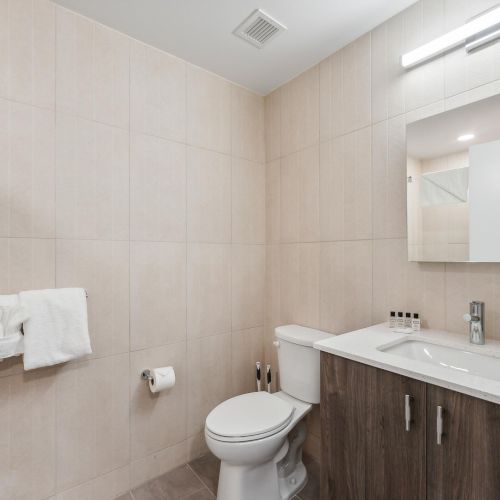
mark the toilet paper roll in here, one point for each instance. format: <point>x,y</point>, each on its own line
<point>162,379</point>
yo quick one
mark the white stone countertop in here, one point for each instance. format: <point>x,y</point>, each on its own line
<point>364,346</point>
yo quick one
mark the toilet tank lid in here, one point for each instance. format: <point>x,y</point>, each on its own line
<point>300,334</point>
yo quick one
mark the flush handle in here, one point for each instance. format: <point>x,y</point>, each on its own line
<point>439,424</point>
<point>408,400</point>
<point>276,343</point>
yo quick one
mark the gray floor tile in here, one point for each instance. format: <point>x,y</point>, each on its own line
<point>174,485</point>
<point>127,496</point>
<point>201,495</point>
<point>207,469</point>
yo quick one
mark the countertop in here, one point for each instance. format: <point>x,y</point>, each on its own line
<point>362,346</point>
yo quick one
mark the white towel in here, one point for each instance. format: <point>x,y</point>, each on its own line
<point>12,316</point>
<point>57,328</point>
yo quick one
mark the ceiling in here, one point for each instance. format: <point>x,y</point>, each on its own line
<point>437,136</point>
<point>200,31</point>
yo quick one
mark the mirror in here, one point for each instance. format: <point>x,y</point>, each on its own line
<point>453,185</point>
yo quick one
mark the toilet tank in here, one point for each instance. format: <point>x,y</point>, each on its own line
<point>298,361</point>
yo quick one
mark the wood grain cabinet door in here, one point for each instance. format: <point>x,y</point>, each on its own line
<point>395,451</point>
<point>466,465</point>
<point>344,428</point>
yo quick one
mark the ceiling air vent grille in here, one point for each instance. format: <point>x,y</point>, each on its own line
<point>259,28</point>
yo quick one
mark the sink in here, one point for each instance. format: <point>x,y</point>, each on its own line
<point>451,358</point>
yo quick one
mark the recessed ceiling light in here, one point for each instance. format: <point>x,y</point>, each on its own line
<point>465,137</point>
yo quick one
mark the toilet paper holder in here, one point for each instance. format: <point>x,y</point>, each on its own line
<point>146,375</point>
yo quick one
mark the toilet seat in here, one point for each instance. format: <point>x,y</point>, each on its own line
<point>249,417</point>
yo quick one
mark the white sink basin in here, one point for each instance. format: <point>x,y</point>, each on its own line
<point>451,358</point>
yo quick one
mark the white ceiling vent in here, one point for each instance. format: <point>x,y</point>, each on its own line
<point>259,28</point>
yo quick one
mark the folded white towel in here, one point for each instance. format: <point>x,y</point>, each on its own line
<point>12,316</point>
<point>57,328</point>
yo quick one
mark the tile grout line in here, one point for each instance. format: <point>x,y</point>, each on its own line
<point>205,486</point>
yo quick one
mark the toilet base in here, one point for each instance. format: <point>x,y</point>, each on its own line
<point>242,482</point>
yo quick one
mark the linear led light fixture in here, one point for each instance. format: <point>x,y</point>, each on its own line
<point>483,23</point>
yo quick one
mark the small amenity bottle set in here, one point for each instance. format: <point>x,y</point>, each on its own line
<point>406,323</point>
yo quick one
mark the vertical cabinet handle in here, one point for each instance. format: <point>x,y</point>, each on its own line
<point>408,399</point>
<point>439,424</point>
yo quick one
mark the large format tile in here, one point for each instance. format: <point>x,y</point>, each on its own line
<point>208,289</point>
<point>157,189</point>
<point>272,125</point>
<point>92,419</point>
<point>248,202</point>
<point>102,268</point>
<point>157,294</point>
<point>208,110</point>
<point>248,286</point>
<point>27,51</point>
<point>157,93</point>
<point>209,378</point>
<point>208,196</point>
<point>247,124</point>
<point>207,468</point>
<point>273,203</point>
<point>174,485</point>
<point>27,136</point>
<point>92,180</point>
<point>157,421</point>
<point>27,435</point>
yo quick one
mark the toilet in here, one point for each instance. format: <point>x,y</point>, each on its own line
<point>258,436</point>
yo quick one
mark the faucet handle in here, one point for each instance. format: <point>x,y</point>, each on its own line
<point>467,317</point>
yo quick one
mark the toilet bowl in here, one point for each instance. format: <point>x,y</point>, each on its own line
<point>258,436</point>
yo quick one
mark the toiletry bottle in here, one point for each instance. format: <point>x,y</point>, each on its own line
<point>415,322</point>
<point>408,322</point>
<point>392,320</point>
<point>400,322</point>
<point>268,377</point>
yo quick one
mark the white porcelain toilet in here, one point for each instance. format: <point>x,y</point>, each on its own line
<point>258,436</point>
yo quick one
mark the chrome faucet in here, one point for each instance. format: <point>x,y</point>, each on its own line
<point>475,318</point>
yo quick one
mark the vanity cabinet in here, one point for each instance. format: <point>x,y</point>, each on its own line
<point>367,453</point>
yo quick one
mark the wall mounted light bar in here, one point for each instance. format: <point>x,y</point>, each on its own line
<point>482,24</point>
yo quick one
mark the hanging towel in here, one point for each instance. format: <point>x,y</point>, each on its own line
<point>57,328</point>
<point>12,316</point>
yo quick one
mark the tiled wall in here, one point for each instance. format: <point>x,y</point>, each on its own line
<point>141,178</point>
<point>336,171</point>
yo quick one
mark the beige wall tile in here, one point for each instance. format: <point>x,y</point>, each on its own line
<point>27,435</point>
<point>248,202</point>
<point>158,463</point>
<point>273,265</point>
<point>300,112</point>
<point>208,196</point>
<point>389,179</point>
<point>92,418</point>
<point>92,180</point>
<point>27,53</point>
<point>157,93</point>
<point>111,83</point>
<point>157,294</point>
<point>102,268</point>
<point>356,84</point>
<point>299,196</point>
<point>330,96</point>
<point>247,124</point>
<point>157,189</point>
<point>272,125</point>
<point>27,169</point>
<point>208,110</point>
<point>26,264</point>
<point>208,378</point>
<point>289,282</point>
<point>74,63</point>
<point>247,348</point>
<point>157,421</point>
<point>209,289</point>
<point>309,278</point>
<point>248,286</point>
<point>105,487</point>
<point>273,202</point>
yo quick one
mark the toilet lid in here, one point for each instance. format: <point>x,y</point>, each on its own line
<point>250,414</point>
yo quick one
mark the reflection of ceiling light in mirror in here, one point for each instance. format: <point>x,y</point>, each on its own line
<point>465,137</point>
